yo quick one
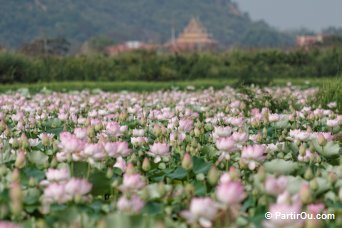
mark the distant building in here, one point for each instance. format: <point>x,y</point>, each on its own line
<point>307,41</point>
<point>129,46</point>
<point>193,37</point>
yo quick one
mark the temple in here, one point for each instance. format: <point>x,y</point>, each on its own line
<point>193,37</point>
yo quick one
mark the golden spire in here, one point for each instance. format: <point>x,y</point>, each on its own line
<point>195,33</point>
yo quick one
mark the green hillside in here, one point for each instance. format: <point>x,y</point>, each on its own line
<point>147,20</point>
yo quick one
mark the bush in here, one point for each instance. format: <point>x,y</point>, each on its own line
<point>257,67</point>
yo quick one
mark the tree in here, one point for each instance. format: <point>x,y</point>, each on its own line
<point>44,47</point>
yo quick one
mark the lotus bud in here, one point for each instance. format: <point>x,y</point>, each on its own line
<point>15,143</point>
<point>2,126</point>
<point>243,165</point>
<point>55,147</point>
<point>259,137</point>
<point>280,155</point>
<point>321,139</point>
<point>156,130</point>
<point>261,174</point>
<point>189,189</point>
<point>3,210</point>
<point>45,139</point>
<point>197,132</point>
<point>130,169</point>
<point>7,133</point>
<point>146,166</point>
<point>54,162</point>
<point>3,170</point>
<point>187,162</point>
<point>91,132</point>
<point>41,223</point>
<point>162,166</point>
<point>109,173</point>
<point>32,182</point>
<point>208,127</point>
<point>115,183</point>
<point>302,149</point>
<point>308,174</point>
<point>200,177</point>
<point>15,175</point>
<point>24,141</point>
<point>98,127</point>
<point>262,201</point>
<point>305,193</point>
<point>213,175</point>
<point>264,132</point>
<point>161,188</point>
<point>20,160</point>
<point>87,122</point>
<point>313,184</point>
<point>78,198</point>
<point>198,124</point>
<point>16,198</point>
<point>332,177</point>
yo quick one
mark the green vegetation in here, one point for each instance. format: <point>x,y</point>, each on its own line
<point>149,20</point>
<point>257,67</point>
<point>331,90</point>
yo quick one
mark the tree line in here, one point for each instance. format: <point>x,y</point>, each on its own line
<point>250,66</point>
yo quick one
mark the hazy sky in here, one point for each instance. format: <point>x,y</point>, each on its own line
<point>289,14</point>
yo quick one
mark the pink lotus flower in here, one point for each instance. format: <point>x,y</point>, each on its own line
<point>236,121</point>
<point>308,156</point>
<point>81,133</point>
<point>138,132</point>
<point>177,137</point>
<point>332,105</point>
<point>139,140</point>
<point>186,125</point>
<point>95,151</point>
<point>57,175</point>
<point>117,149</point>
<point>235,104</point>
<point>132,182</point>
<point>202,210</point>
<point>222,132</point>
<point>69,143</point>
<point>316,208</point>
<point>230,193</point>
<point>113,129</point>
<point>281,216</point>
<point>299,135</point>
<point>77,187</point>
<point>6,224</point>
<point>274,117</point>
<point>159,150</point>
<point>240,137</point>
<point>132,205</point>
<point>226,144</point>
<point>55,193</point>
<point>252,155</point>
<point>322,137</point>
<point>333,123</point>
<point>121,164</point>
<point>276,186</point>
<point>123,149</point>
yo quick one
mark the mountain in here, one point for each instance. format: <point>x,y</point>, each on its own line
<point>121,20</point>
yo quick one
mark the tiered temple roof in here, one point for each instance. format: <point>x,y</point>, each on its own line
<point>194,36</point>
<point>195,33</point>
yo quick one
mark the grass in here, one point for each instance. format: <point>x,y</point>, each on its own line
<point>140,86</point>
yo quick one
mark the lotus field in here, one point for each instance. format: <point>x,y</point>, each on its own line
<point>248,157</point>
